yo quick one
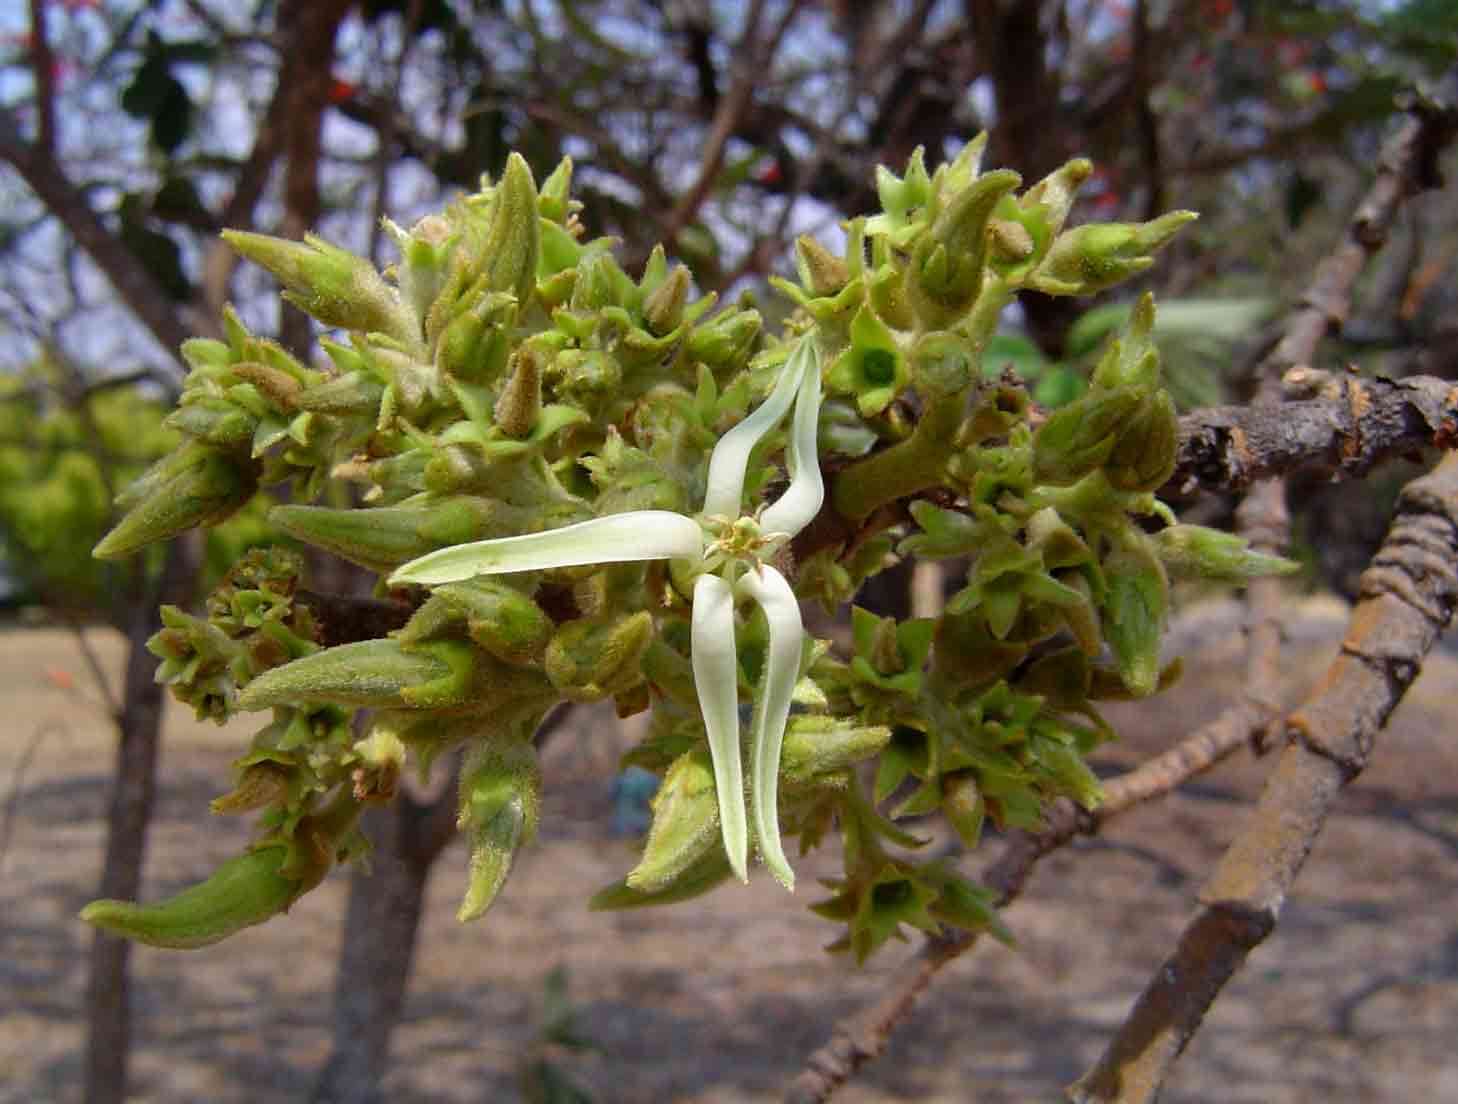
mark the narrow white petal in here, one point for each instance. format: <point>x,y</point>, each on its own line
<point>617,538</point>
<point>800,503</point>
<point>716,678</point>
<point>730,457</point>
<point>771,710</point>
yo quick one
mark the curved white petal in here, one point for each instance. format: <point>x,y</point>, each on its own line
<point>771,710</point>
<point>716,678</point>
<point>617,538</point>
<point>797,507</point>
<point>730,457</point>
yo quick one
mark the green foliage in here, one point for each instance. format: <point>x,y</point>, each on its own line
<point>586,483</point>
<point>60,466</point>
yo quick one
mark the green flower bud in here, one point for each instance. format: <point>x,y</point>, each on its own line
<point>947,265</point>
<point>964,806</point>
<point>246,890</point>
<point>685,823</point>
<point>384,537</point>
<point>508,255</point>
<point>501,800</point>
<point>1144,455</point>
<point>554,202</point>
<point>821,272</point>
<point>663,309</point>
<point>1079,438</point>
<point>378,674</point>
<point>520,402</point>
<point>1195,552</point>
<point>593,658</point>
<point>1099,255</point>
<point>196,486</point>
<point>817,749</point>
<point>332,284</point>
<point>1135,608</point>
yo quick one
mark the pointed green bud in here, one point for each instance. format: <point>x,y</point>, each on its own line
<point>520,402</point>
<point>685,823</point>
<point>888,297</point>
<point>332,284</point>
<point>946,270</point>
<point>202,489</point>
<point>593,658</point>
<point>1100,255</point>
<point>821,272</point>
<point>377,674</point>
<point>1144,456</point>
<point>555,203</point>
<point>1078,438</point>
<point>1131,359</point>
<point>508,256</point>
<point>663,309</point>
<point>1195,552</point>
<point>1135,609</point>
<point>382,538</point>
<point>246,890</point>
<point>501,800</point>
<point>205,355</point>
<point>818,749</point>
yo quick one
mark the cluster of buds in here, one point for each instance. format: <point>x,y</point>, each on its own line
<point>591,487</point>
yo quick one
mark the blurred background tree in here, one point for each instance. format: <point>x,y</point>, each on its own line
<point>132,131</point>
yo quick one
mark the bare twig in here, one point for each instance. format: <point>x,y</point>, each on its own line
<point>133,282</point>
<point>17,783</point>
<point>752,58</point>
<point>1408,596</point>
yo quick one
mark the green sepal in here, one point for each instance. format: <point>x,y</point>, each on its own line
<point>501,799</point>
<point>872,369</point>
<point>596,657</point>
<point>384,537</point>
<point>818,749</point>
<point>378,674</point>
<point>708,872</point>
<point>329,283</point>
<point>1135,608</point>
<point>1195,552</point>
<point>1080,437</point>
<point>196,486</point>
<point>685,824</point>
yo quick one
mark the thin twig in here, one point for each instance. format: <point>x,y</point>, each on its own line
<point>17,782</point>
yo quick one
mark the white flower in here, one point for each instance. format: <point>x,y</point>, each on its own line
<point>727,551</point>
